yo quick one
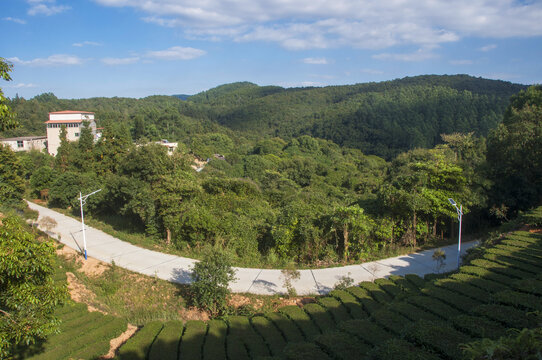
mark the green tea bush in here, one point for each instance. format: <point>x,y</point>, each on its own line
<point>355,309</point>
<point>271,335</point>
<point>376,292</point>
<point>487,274</point>
<point>302,320</point>
<point>215,340</point>
<point>166,344</point>
<point>464,289</point>
<point>286,326</point>
<point>321,317</point>
<point>366,300</point>
<point>416,280</point>
<point>406,286</point>
<point>478,326</point>
<point>501,269</point>
<point>366,330</point>
<point>452,298</point>
<point>338,311</point>
<point>412,312</point>
<point>519,300</point>
<point>137,347</point>
<point>342,345</point>
<point>304,351</point>
<point>438,336</point>
<point>508,261</point>
<point>390,320</point>
<point>531,286</point>
<point>507,315</point>
<point>235,348</point>
<point>240,327</point>
<point>487,286</point>
<point>434,306</point>
<point>400,349</point>
<point>389,287</point>
<point>192,340</point>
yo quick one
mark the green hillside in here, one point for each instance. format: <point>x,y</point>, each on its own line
<point>379,118</point>
<point>383,118</point>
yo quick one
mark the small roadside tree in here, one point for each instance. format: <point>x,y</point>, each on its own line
<point>28,295</point>
<point>211,277</point>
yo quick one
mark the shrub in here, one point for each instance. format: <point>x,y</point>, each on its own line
<point>438,336</point>
<point>434,306</point>
<point>240,327</point>
<point>211,277</point>
<point>286,326</point>
<point>523,345</point>
<point>390,320</point>
<point>137,347</point>
<point>304,351</point>
<point>302,320</point>
<point>166,344</point>
<point>192,340</point>
<point>342,346</point>
<point>389,287</point>
<point>376,292</point>
<point>338,311</point>
<point>365,330</point>
<point>215,341</point>
<point>270,334</point>
<point>349,301</point>
<point>400,349</point>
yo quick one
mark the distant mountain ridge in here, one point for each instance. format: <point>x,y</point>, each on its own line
<point>382,118</point>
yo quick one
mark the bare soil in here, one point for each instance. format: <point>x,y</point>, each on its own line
<point>117,342</point>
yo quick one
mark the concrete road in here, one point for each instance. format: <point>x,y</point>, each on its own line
<point>177,269</point>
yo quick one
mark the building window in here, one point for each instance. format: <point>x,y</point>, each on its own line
<point>20,144</point>
<point>76,134</point>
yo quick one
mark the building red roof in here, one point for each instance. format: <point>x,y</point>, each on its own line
<point>63,121</point>
<point>70,112</point>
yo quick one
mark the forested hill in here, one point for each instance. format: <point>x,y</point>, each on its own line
<point>383,118</point>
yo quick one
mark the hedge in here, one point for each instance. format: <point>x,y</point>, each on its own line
<point>240,327</point>
<point>464,289</point>
<point>215,340</point>
<point>438,336</point>
<point>366,330</point>
<point>487,286</point>
<point>507,315</point>
<point>390,320</point>
<point>452,298</point>
<point>342,346</point>
<point>304,351</point>
<point>192,340</point>
<point>166,344</point>
<point>478,326</point>
<point>376,292</point>
<point>434,306</point>
<point>287,328</point>
<point>366,300</point>
<point>487,274</point>
<point>400,349</point>
<point>501,269</point>
<point>518,299</point>
<point>406,286</point>
<point>271,335</point>
<point>531,286</point>
<point>508,261</point>
<point>99,343</point>
<point>412,312</point>
<point>235,348</point>
<point>321,317</point>
<point>302,320</point>
<point>389,287</point>
<point>338,311</point>
<point>355,309</point>
<point>137,347</point>
<point>416,280</point>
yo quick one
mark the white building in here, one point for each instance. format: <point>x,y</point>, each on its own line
<point>25,143</point>
<point>73,121</point>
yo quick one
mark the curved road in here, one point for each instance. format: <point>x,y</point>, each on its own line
<point>174,268</point>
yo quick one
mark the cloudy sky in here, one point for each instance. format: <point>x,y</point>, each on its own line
<point>136,48</point>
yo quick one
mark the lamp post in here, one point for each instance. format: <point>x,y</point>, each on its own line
<point>82,201</point>
<point>460,218</point>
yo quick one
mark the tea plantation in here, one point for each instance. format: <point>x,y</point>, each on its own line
<point>396,318</point>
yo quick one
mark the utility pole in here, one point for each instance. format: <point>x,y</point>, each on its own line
<point>82,202</point>
<point>460,218</point>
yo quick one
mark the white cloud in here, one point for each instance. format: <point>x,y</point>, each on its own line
<point>87,43</point>
<point>320,24</point>
<point>45,7</point>
<point>315,61</point>
<point>488,47</point>
<point>22,86</point>
<point>15,20</point>
<point>120,61</point>
<point>372,71</point>
<point>53,60</point>
<point>176,53</point>
<point>421,54</point>
<point>461,62</point>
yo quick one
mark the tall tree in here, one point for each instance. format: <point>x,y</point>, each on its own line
<point>28,294</point>
<point>515,153</point>
<point>7,118</point>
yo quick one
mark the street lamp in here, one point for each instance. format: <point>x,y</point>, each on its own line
<point>82,201</point>
<point>460,218</point>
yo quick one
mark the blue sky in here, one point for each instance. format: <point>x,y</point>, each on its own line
<point>137,48</point>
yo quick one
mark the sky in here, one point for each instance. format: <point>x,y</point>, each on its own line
<point>138,48</point>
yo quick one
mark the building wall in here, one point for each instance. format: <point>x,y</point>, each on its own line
<point>25,144</point>
<point>73,131</point>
